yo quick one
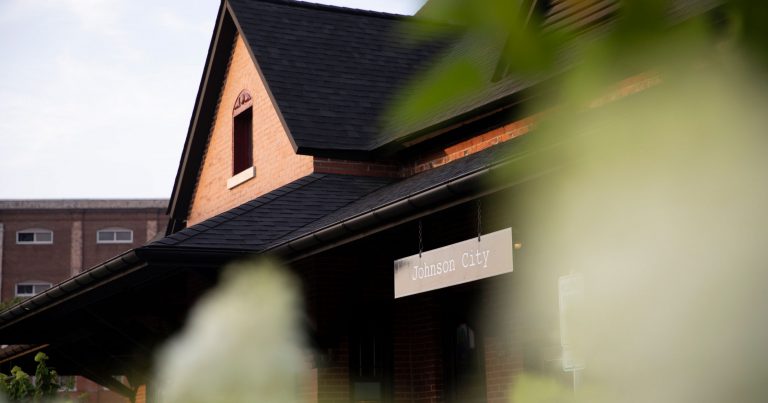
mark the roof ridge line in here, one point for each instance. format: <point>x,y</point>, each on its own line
<point>333,8</point>
<point>81,204</point>
<point>86,199</point>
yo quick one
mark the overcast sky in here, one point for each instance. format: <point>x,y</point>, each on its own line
<point>96,95</point>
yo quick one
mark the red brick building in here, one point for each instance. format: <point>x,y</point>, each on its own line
<point>287,155</point>
<point>45,242</point>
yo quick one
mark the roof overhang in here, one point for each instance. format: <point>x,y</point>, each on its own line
<point>110,319</point>
<point>224,33</point>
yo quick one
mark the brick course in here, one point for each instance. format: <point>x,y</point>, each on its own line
<point>418,360</point>
<point>273,155</point>
<point>471,146</point>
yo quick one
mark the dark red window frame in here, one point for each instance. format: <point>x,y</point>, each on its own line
<point>242,133</point>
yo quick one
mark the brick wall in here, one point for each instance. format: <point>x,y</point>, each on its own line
<point>327,307</point>
<point>141,394</point>
<point>333,379</point>
<point>418,360</point>
<point>273,155</point>
<point>308,386</point>
<point>91,392</point>
<point>95,253</point>
<point>361,168</point>
<point>503,342</point>
<point>470,146</point>
<point>503,362</point>
<point>43,263</point>
<point>74,246</point>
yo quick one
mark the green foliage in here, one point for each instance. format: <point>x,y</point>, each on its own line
<point>46,379</point>
<point>19,386</point>
<point>643,35</point>
<point>684,157</point>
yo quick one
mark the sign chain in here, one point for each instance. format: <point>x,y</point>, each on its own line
<point>479,220</point>
<point>421,246</point>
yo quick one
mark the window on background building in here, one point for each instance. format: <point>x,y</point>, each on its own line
<point>34,236</point>
<point>67,383</point>
<point>242,133</point>
<point>114,235</point>
<point>31,288</point>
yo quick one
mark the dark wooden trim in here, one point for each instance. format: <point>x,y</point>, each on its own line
<point>219,51</point>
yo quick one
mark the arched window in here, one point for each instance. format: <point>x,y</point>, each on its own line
<point>34,236</point>
<point>114,235</point>
<point>31,288</point>
<point>242,133</point>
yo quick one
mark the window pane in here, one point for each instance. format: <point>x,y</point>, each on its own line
<point>43,236</point>
<point>123,235</point>
<point>67,383</point>
<point>106,236</point>
<point>242,157</point>
<point>24,289</point>
<point>26,237</point>
<point>41,287</point>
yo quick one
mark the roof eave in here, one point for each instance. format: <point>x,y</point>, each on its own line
<point>119,266</point>
<point>202,116</point>
<point>479,183</point>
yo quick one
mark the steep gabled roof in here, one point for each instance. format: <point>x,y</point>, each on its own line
<point>329,70</point>
<point>332,70</point>
<point>317,202</point>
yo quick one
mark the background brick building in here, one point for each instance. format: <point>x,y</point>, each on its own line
<point>44,242</point>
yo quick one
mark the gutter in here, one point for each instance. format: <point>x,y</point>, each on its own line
<point>381,218</point>
<point>473,185</point>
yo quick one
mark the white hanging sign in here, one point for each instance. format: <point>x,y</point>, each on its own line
<point>458,263</point>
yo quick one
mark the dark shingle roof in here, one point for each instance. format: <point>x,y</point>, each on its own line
<point>312,203</point>
<point>405,188</point>
<point>332,70</point>
<point>260,222</point>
